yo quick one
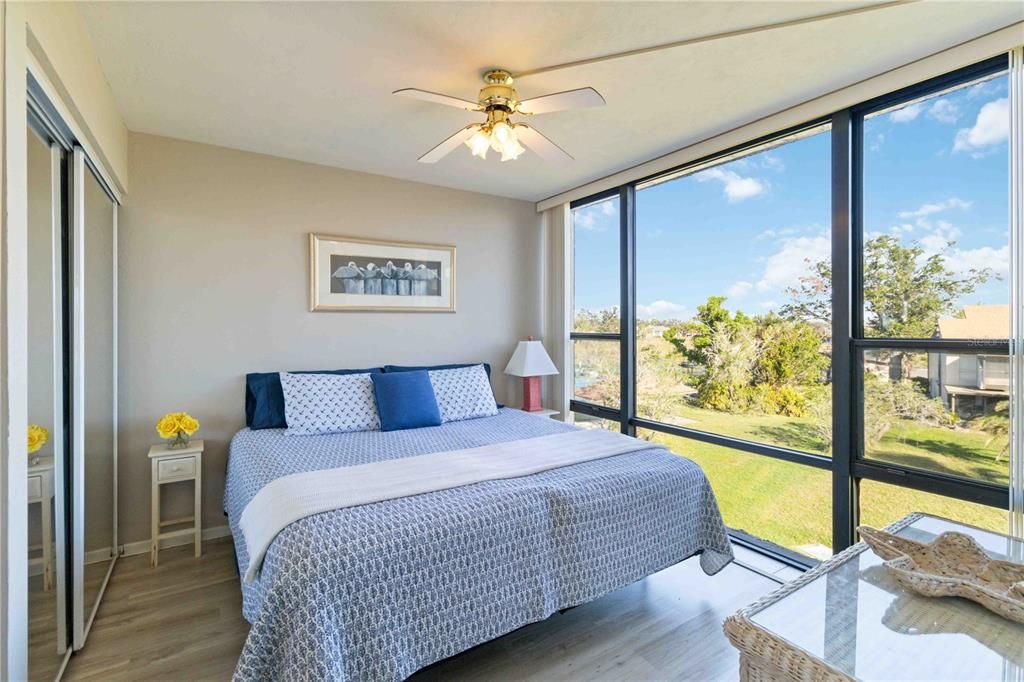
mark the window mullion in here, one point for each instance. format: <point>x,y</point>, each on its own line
<point>627,312</point>
<point>844,502</point>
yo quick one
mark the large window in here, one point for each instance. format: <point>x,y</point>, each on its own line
<point>764,498</point>
<point>597,317</point>
<point>731,334</point>
<point>935,234</point>
<point>820,318</point>
<point>937,412</point>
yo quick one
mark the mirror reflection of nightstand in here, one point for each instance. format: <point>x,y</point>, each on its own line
<point>40,489</point>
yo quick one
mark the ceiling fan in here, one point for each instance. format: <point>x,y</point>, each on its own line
<point>499,101</point>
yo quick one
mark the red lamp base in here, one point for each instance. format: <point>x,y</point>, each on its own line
<point>531,394</point>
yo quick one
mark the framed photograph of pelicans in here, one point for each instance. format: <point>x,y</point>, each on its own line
<point>356,274</point>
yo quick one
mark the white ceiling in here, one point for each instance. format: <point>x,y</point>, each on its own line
<point>312,81</point>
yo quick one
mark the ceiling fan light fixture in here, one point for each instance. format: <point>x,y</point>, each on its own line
<point>505,141</point>
<point>498,100</point>
<point>512,150</point>
<point>479,143</point>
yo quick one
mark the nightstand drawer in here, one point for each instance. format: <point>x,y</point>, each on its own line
<point>35,487</point>
<point>174,469</point>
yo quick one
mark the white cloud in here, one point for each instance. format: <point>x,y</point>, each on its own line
<point>937,207</point>
<point>739,290</point>
<point>737,187</point>
<point>790,262</point>
<point>907,113</point>
<point>935,239</point>
<point>944,111</point>
<point>982,89</point>
<point>963,261</point>
<point>773,162</point>
<point>990,128</point>
<point>594,217</point>
<point>661,310</point>
<point>938,236</point>
<point>585,220</point>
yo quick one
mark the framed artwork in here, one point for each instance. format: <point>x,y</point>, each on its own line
<point>354,274</point>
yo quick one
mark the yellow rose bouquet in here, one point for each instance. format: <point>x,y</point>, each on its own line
<point>37,438</point>
<point>179,426</point>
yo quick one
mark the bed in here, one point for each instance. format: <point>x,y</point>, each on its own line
<point>378,591</point>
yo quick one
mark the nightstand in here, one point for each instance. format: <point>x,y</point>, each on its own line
<point>175,465</point>
<point>40,489</point>
<point>545,412</point>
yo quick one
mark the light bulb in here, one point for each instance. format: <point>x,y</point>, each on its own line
<point>502,132</point>
<point>512,151</point>
<point>479,143</point>
<point>510,147</point>
<point>500,135</point>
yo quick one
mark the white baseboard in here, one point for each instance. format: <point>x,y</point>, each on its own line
<point>35,565</point>
<point>142,546</point>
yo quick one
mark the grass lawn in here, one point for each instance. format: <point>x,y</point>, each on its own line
<point>790,504</point>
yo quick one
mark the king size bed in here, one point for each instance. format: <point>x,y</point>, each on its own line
<point>347,581</point>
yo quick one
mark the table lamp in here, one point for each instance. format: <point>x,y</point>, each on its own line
<point>531,362</point>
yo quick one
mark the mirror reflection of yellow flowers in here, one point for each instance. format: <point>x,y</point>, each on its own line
<point>37,437</point>
<point>179,426</point>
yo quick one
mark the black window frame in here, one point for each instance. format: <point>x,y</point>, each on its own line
<point>847,463</point>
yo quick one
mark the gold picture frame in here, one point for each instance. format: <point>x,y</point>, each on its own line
<point>356,274</point>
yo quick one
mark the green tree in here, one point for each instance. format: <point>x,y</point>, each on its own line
<point>811,298</point>
<point>693,339</point>
<point>731,355</point>
<point>604,320</point>
<point>790,353</point>
<point>905,291</point>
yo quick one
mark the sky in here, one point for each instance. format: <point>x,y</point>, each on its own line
<point>934,171</point>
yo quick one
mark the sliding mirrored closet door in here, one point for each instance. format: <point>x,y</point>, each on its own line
<point>94,454</point>
<point>47,633</point>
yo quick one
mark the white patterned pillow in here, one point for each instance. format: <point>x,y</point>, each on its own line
<point>463,393</point>
<point>328,403</point>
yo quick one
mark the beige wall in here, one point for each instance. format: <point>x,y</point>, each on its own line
<point>59,41</point>
<point>213,284</point>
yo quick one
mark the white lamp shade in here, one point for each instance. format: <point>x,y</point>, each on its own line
<point>530,360</point>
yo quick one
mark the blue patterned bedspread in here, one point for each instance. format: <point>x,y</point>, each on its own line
<point>379,591</point>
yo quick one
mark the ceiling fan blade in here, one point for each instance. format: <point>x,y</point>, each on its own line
<point>448,146</point>
<point>542,146</point>
<point>561,101</point>
<point>437,98</point>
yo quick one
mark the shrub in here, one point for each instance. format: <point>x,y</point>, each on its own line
<point>787,401</point>
<point>907,399</point>
<point>715,395</point>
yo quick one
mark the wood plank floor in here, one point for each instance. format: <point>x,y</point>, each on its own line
<point>182,621</point>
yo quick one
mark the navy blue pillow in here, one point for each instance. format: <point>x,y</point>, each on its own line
<point>405,400</point>
<point>264,399</point>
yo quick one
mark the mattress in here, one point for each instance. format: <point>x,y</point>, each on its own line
<point>378,591</point>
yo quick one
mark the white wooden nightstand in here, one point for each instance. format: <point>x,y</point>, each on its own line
<point>545,413</point>
<point>173,465</point>
<point>40,489</point>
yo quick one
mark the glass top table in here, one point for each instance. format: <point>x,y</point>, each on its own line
<point>852,620</point>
